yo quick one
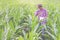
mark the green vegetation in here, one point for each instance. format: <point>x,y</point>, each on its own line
<point>18,22</point>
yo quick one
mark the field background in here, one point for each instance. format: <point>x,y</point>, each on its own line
<point>20,13</point>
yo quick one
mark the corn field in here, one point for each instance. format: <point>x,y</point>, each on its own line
<point>18,22</point>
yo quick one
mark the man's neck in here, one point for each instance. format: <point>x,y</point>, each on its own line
<point>41,9</point>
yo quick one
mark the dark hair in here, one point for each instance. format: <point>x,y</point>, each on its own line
<point>39,5</point>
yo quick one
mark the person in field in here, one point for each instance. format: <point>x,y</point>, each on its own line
<point>42,14</point>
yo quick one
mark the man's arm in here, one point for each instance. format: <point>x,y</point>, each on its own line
<point>46,14</point>
<point>36,13</point>
<point>39,13</point>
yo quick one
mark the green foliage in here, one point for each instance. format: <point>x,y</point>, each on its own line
<point>17,19</point>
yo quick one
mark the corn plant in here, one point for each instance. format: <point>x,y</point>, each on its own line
<point>18,22</point>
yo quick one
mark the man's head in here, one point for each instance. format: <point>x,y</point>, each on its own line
<point>40,6</point>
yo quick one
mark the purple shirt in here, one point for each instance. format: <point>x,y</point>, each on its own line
<point>41,13</point>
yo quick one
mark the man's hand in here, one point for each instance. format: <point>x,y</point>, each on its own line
<point>43,19</point>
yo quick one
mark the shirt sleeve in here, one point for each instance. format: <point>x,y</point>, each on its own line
<point>46,13</point>
<point>36,13</point>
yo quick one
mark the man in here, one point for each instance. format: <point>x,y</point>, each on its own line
<point>41,13</point>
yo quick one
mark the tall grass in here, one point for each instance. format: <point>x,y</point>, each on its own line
<point>18,22</point>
